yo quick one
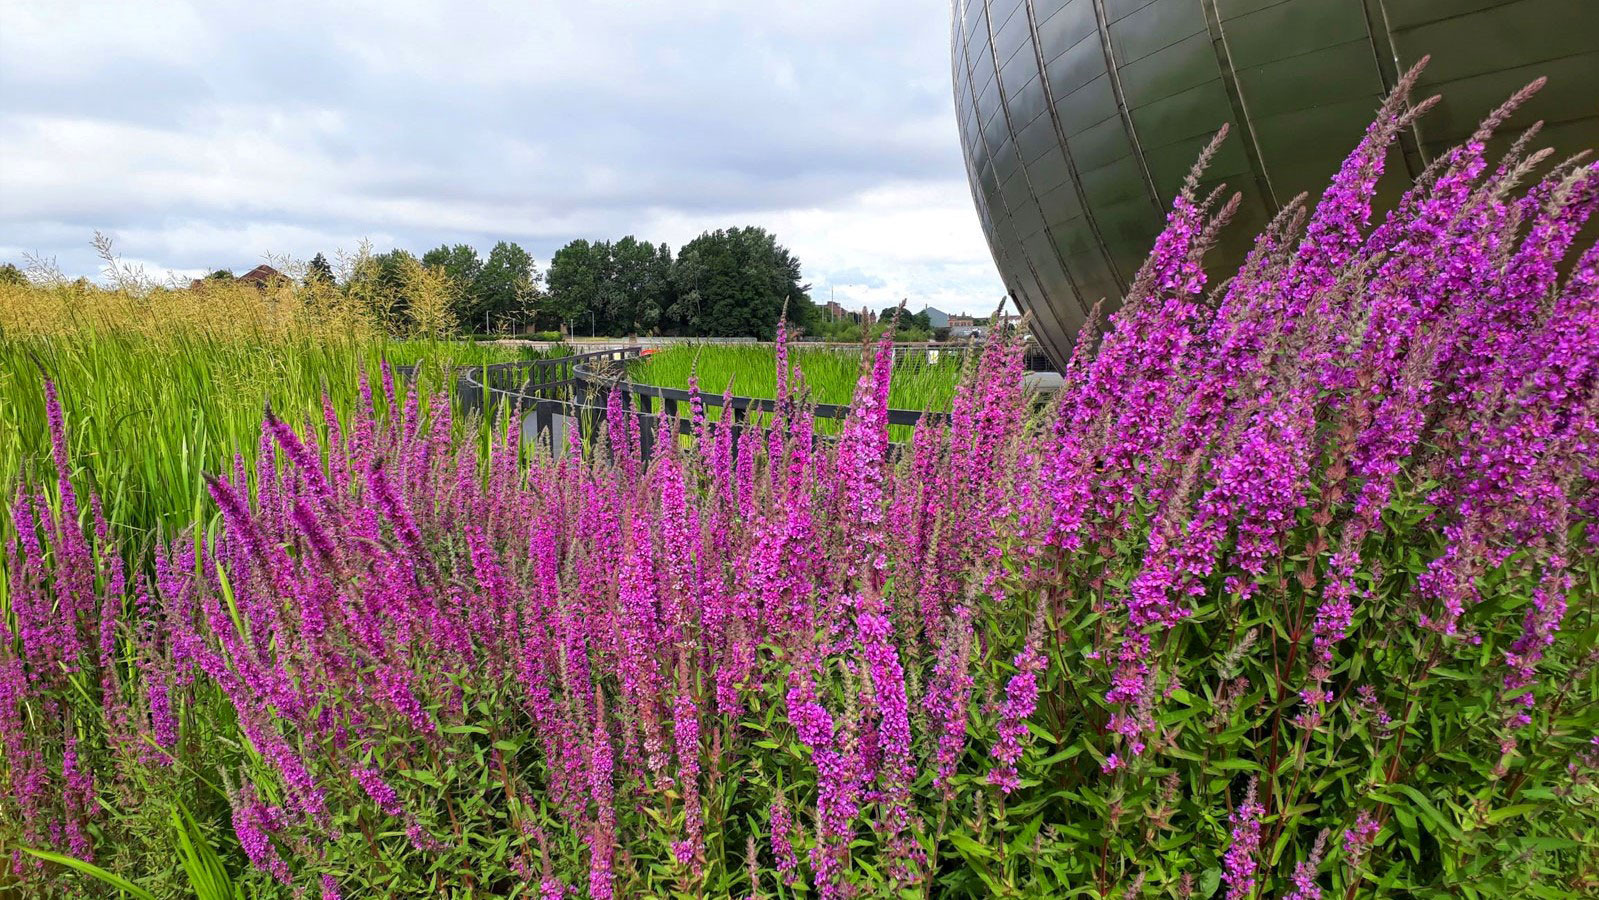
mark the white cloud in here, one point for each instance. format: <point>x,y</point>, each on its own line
<point>203,135</point>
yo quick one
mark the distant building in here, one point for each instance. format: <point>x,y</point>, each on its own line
<point>835,312</point>
<point>961,322</point>
<point>262,277</point>
<point>936,318</point>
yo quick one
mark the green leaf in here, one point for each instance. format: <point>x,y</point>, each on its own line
<point>970,848</point>
<point>93,871</point>
<point>1041,733</point>
<point>1507,812</point>
<point>1023,841</point>
<point>424,776</point>
<point>1062,756</point>
<point>1425,806</point>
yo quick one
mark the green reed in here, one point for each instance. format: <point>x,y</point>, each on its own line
<point>150,416</point>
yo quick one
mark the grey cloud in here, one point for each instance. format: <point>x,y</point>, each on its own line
<point>433,123</point>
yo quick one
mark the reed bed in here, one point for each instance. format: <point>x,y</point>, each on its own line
<point>164,386</point>
<point>921,383</point>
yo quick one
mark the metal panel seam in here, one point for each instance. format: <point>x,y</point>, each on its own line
<point>1071,165</point>
<point>1386,58</point>
<point>1101,19</point>
<point>994,236</point>
<point>1027,177</point>
<point>1235,97</point>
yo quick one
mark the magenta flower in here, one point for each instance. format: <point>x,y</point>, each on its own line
<point>1239,864</point>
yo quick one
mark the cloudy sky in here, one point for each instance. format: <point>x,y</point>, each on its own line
<point>207,134</point>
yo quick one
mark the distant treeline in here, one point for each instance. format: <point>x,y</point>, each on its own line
<point>725,283</point>
<point>732,282</point>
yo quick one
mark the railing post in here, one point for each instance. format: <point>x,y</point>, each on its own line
<point>646,432</point>
<point>544,423</point>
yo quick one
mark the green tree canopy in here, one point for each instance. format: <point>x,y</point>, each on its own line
<point>908,321</point>
<point>734,283</point>
<point>641,274</point>
<point>507,287</point>
<point>380,284</point>
<point>461,266</point>
<point>575,282</point>
<point>611,288</point>
<point>318,271</point>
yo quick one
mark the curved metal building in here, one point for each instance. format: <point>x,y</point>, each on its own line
<point>1079,118</point>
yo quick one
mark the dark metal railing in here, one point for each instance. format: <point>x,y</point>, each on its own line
<point>648,401</point>
<point>575,391</point>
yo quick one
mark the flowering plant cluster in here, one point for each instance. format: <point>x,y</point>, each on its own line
<point>1290,591</point>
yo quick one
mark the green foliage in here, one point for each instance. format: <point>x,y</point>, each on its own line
<point>736,283</point>
<point>92,871</point>
<point>461,263</point>
<point>319,272</point>
<point>921,382</point>
<point>151,416</point>
<point>208,875</point>
<point>908,321</point>
<point>448,287</point>
<point>723,284</point>
<point>576,283</point>
<point>379,283</point>
<point>848,331</point>
<point>640,274</point>
<point>507,288</point>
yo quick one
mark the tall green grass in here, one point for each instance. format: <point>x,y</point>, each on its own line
<point>919,384</point>
<point>148,417</point>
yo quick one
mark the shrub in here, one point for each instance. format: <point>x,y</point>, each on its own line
<point>1291,592</point>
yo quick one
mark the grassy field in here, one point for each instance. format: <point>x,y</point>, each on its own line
<point>157,391</point>
<point>831,374</point>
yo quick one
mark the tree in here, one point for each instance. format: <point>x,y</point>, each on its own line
<point>734,283</point>
<point>394,288</point>
<point>10,274</point>
<point>379,286</point>
<point>462,266</point>
<point>507,286</point>
<point>909,322</point>
<point>431,299</point>
<point>318,272</point>
<point>576,281</point>
<point>611,288</point>
<point>220,275</point>
<point>641,275</point>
